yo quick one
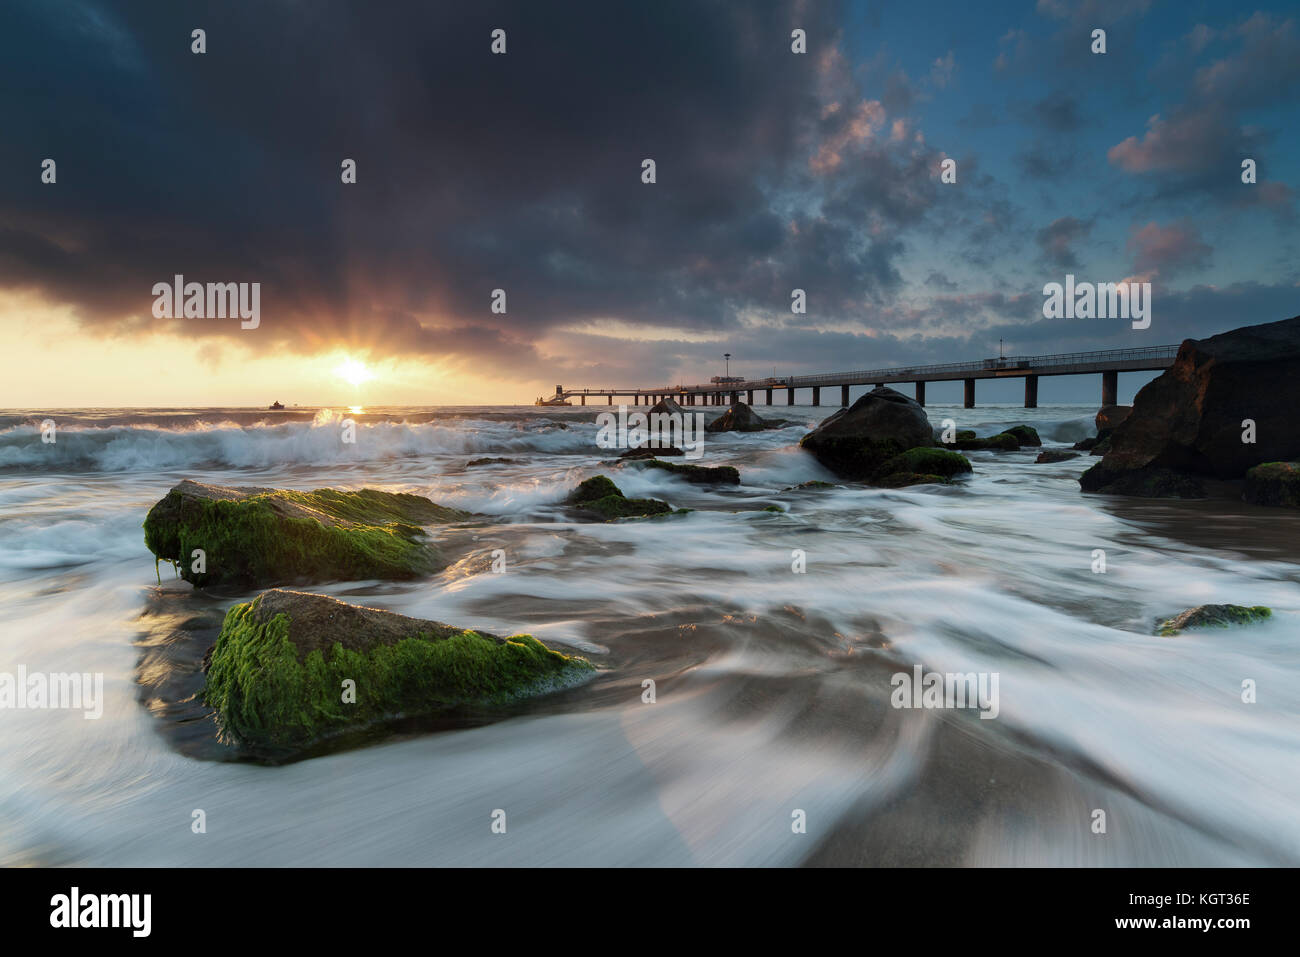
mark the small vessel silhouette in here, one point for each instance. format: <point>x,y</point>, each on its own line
<point>276,405</point>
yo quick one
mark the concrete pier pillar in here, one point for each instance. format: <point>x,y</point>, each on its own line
<point>1109,388</point>
<point>584,400</point>
<point>970,393</point>
<point>611,398</point>
<point>750,397</point>
<point>844,397</point>
<point>920,393</point>
<point>817,395</point>
<point>1031,392</point>
<point>734,398</point>
<point>769,396</point>
<point>789,396</point>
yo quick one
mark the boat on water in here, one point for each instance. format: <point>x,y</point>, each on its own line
<point>554,400</point>
<point>276,405</point>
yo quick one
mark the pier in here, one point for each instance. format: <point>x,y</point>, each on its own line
<point>1108,364</point>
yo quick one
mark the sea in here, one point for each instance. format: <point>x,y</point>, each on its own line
<point>746,708</point>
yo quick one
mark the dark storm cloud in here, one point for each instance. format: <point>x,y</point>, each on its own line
<point>475,171</point>
<point>1057,240</point>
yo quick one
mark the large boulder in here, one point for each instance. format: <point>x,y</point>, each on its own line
<point>854,442</point>
<point>265,536</point>
<point>739,418</point>
<point>1189,420</point>
<point>276,674</point>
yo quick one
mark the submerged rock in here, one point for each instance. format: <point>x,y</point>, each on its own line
<point>854,442</point>
<point>475,463</point>
<point>739,418</point>
<point>264,536</point>
<point>1054,455</point>
<point>600,497</point>
<point>1190,420</point>
<point>1273,483</point>
<point>966,441</point>
<point>650,452</point>
<point>277,672</point>
<point>700,474</point>
<point>1212,616</point>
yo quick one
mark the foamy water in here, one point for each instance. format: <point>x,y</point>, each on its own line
<point>772,686</point>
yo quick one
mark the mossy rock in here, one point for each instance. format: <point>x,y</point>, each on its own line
<point>1273,483</point>
<point>276,674</point>
<point>1142,483</point>
<point>852,457</point>
<point>903,479</point>
<point>599,495</point>
<point>1212,616</point>
<point>1002,442</point>
<point>773,508</point>
<point>700,474</point>
<point>927,461</point>
<point>265,536</point>
<point>1025,434</point>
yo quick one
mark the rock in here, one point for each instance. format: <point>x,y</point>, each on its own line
<point>700,474</point>
<point>1189,419</point>
<point>1144,483</point>
<point>926,462</point>
<point>1054,455</point>
<point>854,442</point>
<point>275,673</point>
<point>1102,445</point>
<point>475,463</point>
<point>902,479</point>
<point>263,536</point>
<point>1002,442</point>
<point>739,418</point>
<point>1273,483</point>
<point>1085,445</point>
<point>649,452</point>
<point>601,497</point>
<point>667,406</point>
<point>1212,616</point>
<point>1024,434</point>
<point>1109,417</point>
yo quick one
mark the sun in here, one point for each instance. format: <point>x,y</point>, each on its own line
<point>354,371</point>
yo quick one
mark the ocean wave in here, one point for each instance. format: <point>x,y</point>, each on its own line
<point>320,441</point>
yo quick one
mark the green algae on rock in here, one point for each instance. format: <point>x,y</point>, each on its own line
<point>699,474</point>
<point>926,461</point>
<point>281,670</point>
<point>1212,616</point>
<point>600,495</point>
<point>1273,483</point>
<point>263,536</point>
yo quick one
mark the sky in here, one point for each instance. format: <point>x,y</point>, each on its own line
<point>522,171</point>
